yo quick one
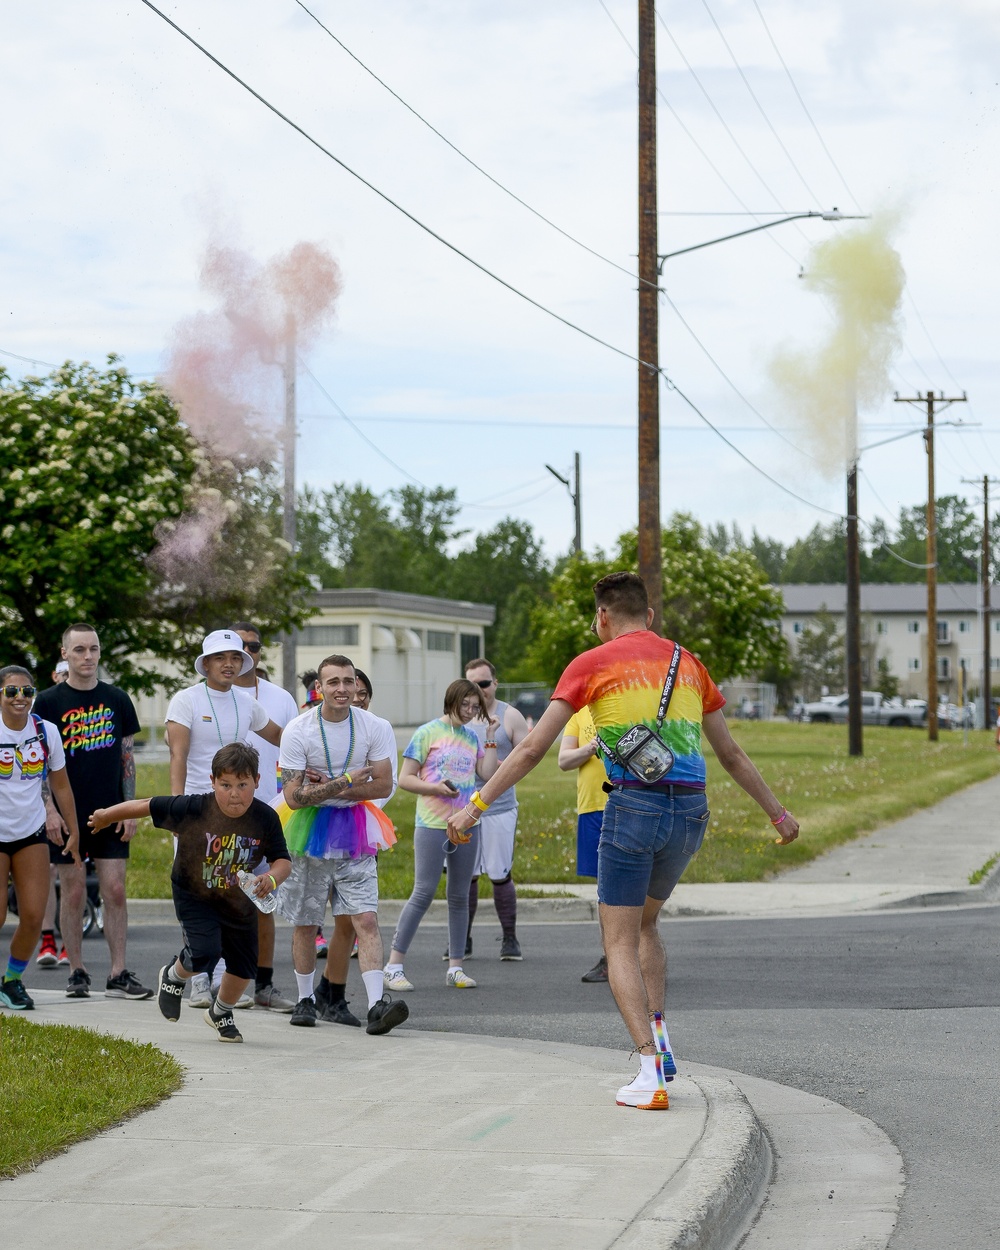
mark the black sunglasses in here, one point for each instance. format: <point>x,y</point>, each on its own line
<point>11,692</point>
<point>252,647</point>
<point>485,685</point>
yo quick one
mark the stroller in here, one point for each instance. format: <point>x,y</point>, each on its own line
<point>93,917</point>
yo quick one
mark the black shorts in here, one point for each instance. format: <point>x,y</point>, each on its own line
<point>37,838</point>
<point>105,844</point>
<point>212,933</point>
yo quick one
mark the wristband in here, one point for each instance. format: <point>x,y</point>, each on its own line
<point>349,781</point>
<point>487,745</point>
<point>273,882</point>
<point>476,801</point>
<point>780,820</point>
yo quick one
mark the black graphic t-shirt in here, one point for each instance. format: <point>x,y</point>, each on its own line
<point>92,724</point>
<point>212,847</point>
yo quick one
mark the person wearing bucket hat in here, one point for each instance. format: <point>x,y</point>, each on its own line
<point>213,713</point>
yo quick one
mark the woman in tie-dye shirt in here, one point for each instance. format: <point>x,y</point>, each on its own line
<point>439,767</point>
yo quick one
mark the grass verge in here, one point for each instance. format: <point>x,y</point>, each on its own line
<point>835,796</point>
<point>981,873</point>
<point>60,1084</point>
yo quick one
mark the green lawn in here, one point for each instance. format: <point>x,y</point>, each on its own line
<point>61,1084</point>
<point>835,798</point>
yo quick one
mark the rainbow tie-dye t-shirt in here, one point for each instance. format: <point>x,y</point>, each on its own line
<point>445,752</point>
<point>622,682</point>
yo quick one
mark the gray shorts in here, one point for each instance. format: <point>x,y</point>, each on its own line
<point>302,897</point>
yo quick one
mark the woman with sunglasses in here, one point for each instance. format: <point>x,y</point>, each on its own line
<point>31,750</point>
<point>439,767</point>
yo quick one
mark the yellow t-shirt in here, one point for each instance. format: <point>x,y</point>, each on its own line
<point>590,777</point>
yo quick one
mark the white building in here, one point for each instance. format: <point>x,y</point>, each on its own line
<point>411,646</point>
<point>894,628</point>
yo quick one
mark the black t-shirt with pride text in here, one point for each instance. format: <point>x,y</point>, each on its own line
<point>212,847</point>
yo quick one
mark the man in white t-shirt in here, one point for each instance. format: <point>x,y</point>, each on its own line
<point>354,751</point>
<point>281,708</point>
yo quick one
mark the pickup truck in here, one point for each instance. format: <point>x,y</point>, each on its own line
<point>875,710</point>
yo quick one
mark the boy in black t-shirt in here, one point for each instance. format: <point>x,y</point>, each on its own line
<point>217,835</point>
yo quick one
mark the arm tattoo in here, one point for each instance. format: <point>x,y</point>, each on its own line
<point>128,767</point>
<point>46,789</point>
<point>308,793</point>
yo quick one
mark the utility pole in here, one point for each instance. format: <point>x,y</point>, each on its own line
<point>288,679</point>
<point>855,744</point>
<point>985,685</point>
<point>574,494</point>
<point>932,677</point>
<point>650,534</point>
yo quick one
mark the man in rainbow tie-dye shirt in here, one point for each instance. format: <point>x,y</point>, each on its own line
<point>650,832</point>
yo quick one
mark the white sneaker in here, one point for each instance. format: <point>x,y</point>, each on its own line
<point>458,980</point>
<point>243,1002</point>
<point>397,981</point>
<point>201,991</point>
<point>648,1092</point>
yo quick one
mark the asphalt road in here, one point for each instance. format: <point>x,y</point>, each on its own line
<point>895,1015</point>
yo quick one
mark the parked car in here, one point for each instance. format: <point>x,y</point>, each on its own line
<point>532,703</point>
<point>875,710</point>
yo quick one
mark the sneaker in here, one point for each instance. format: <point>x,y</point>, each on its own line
<point>79,984</point>
<point>468,950</point>
<point>63,958</point>
<point>225,1026</point>
<point>354,949</point>
<point>457,980</point>
<point>661,1041</point>
<point>15,996</point>
<point>126,985</point>
<point>169,994</point>
<point>510,949</point>
<point>243,1003</point>
<point>397,981</point>
<point>386,1014</point>
<point>321,993</point>
<point>646,1093</point>
<point>339,1013</point>
<point>304,1013</point>
<point>47,956</point>
<point>322,946</point>
<point>599,972</point>
<point>201,990</point>
<point>271,999</point>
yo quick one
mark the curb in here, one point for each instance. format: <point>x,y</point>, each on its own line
<point>984,892</point>
<point>529,910</point>
<point>712,1201</point>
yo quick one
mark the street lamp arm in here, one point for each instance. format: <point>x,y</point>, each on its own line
<point>565,480</point>
<point>832,215</point>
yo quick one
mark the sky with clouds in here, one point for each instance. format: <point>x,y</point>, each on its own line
<point>126,151</point>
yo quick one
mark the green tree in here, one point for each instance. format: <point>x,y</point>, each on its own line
<point>819,658</point>
<point>820,557</point>
<point>91,464</point>
<point>887,683</point>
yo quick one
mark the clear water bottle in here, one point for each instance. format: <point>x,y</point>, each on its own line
<point>247,881</point>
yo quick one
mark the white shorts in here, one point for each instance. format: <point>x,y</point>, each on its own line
<point>496,844</point>
<point>302,897</point>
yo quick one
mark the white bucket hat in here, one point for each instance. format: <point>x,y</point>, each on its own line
<point>222,640</point>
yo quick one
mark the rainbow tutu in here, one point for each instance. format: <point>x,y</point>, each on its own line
<point>335,832</point>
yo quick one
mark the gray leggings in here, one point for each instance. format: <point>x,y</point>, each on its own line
<point>428,864</point>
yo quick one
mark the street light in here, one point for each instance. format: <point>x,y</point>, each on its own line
<point>574,494</point>
<point>833,214</point>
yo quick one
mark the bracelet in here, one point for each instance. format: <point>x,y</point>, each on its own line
<point>349,781</point>
<point>273,882</point>
<point>476,801</point>
<point>487,745</point>
<point>780,820</point>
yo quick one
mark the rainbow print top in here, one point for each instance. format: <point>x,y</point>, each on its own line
<point>622,681</point>
<point>445,752</point>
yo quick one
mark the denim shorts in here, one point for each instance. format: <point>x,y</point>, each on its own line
<point>647,840</point>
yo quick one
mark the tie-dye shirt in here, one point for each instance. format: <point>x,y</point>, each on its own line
<point>445,752</point>
<point>622,682</point>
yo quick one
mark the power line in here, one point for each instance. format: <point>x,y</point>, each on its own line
<point>619,351</point>
<point>465,157</point>
<point>805,110</point>
<point>760,107</point>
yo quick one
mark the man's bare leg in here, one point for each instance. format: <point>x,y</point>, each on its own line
<point>304,948</point>
<point>652,956</point>
<point>621,929</point>
<point>111,878</point>
<point>265,939</point>
<point>338,955</point>
<point>72,891</point>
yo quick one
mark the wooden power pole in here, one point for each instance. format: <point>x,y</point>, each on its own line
<point>930,399</point>
<point>985,684</point>
<point>650,536</point>
<point>288,527</point>
<point>852,639</point>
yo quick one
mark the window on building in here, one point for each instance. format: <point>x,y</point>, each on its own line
<point>943,634</point>
<point>328,636</point>
<point>881,627</point>
<point>913,665</point>
<point>944,667</point>
<point>471,648</point>
<point>964,627</point>
<point>996,627</point>
<point>913,627</point>
<point>995,661</point>
<point>440,640</point>
<point>796,627</point>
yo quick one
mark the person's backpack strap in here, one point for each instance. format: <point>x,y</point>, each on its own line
<point>40,730</point>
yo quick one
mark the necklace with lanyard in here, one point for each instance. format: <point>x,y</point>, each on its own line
<point>215,719</point>
<point>326,745</point>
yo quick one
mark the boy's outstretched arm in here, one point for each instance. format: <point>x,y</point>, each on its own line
<point>131,809</point>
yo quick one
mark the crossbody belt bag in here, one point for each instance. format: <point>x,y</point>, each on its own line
<point>640,752</point>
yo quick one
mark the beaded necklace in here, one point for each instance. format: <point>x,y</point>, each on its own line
<point>326,745</point>
<point>215,719</point>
